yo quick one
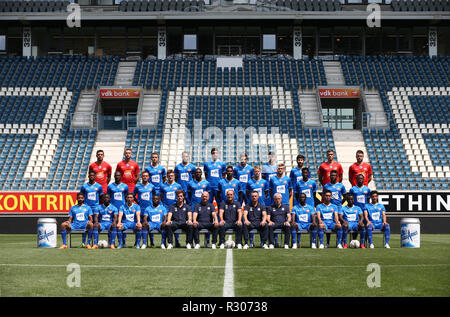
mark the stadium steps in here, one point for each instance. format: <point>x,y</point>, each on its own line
<point>125,73</point>
<point>347,142</point>
<point>333,73</point>
<point>374,106</point>
<point>149,112</point>
<point>112,142</point>
<point>310,110</point>
<point>82,117</point>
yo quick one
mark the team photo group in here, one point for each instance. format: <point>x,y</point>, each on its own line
<point>219,199</point>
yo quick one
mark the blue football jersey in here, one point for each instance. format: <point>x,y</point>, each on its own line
<point>269,171</point>
<point>375,212</point>
<point>156,176</point>
<point>262,187</point>
<point>361,195</point>
<point>118,194</point>
<point>214,172</point>
<point>338,191</point>
<point>243,175</point>
<point>351,214</point>
<point>144,194</point>
<point>327,212</point>
<point>80,214</point>
<point>168,193</point>
<point>106,213</point>
<point>130,213</point>
<point>303,214</point>
<point>92,194</point>
<point>196,189</point>
<point>281,186</point>
<point>184,174</point>
<point>156,214</point>
<point>225,184</point>
<point>308,188</point>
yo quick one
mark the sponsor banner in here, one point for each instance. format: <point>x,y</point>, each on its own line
<point>37,202</point>
<point>120,93</point>
<point>339,93</point>
<point>426,202</point>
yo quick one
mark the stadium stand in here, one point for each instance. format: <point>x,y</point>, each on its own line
<point>38,96</point>
<point>411,89</point>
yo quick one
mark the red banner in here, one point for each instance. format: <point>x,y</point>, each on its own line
<point>339,93</point>
<point>37,202</point>
<point>120,93</point>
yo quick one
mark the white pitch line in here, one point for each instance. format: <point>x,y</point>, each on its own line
<point>228,268</point>
<point>228,281</point>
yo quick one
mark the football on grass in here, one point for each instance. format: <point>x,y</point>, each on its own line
<point>102,244</point>
<point>354,244</point>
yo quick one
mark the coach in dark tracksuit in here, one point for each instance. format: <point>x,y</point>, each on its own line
<point>230,216</point>
<point>179,217</point>
<point>255,216</point>
<point>279,217</point>
<point>205,217</point>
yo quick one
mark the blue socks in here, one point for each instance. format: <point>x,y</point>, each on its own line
<point>339,235</point>
<point>83,237</point>
<point>321,235</point>
<point>64,236</point>
<point>387,233</point>
<point>144,236</point>
<point>314,236</point>
<point>120,236</point>
<point>138,238</point>
<point>294,235</point>
<point>95,236</point>
<point>362,234</point>
<point>89,236</point>
<point>112,237</point>
<point>369,234</point>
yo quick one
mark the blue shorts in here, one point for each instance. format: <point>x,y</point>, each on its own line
<point>154,226</point>
<point>352,225</point>
<point>377,225</point>
<point>78,225</point>
<point>106,225</point>
<point>129,225</point>
<point>304,225</point>
<point>329,225</point>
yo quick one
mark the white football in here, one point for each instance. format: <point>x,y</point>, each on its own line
<point>102,244</point>
<point>354,244</point>
<point>230,243</point>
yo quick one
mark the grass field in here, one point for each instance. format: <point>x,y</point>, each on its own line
<point>28,271</point>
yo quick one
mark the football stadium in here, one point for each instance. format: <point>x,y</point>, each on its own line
<point>225,148</point>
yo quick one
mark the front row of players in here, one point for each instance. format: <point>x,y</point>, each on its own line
<point>324,218</point>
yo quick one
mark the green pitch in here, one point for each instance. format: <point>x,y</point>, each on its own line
<point>28,271</point>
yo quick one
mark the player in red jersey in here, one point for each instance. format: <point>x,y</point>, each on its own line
<point>326,167</point>
<point>102,170</point>
<point>129,170</point>
<point>360,167</point>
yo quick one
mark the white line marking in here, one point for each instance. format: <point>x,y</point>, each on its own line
<point>228,282</point>
<point>229,268</point>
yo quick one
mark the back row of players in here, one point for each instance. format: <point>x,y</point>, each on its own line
<point>181,199</point>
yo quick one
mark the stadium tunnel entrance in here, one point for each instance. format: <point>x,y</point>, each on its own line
<point>342,108</point>
<point>117,114</point>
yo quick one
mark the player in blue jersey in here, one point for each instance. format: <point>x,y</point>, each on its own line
<point>375,216</point>
<point>143,193</point>
<point>360,192</point>
<point>92,192</point>
<point>184,172</point>
<point>352,219</point>
<point>168,190</point>
<point>281,184</point>
<point>328,219</point>
<point>337,190</point>
<point>196,187</point>
<point>80,217</point>
<point>157,172</point>
<point>296,173</point>
<point>129,219</point>
<point>306,186</point>
<point>214,172</point>
<point>303,218</point>
<point>229,182</point>
<point>269,170</point>
<point>260,185</point>
<point>243,173</point>
<point>154,218</point>
<point>105,218</point>
<point>117,191</point>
